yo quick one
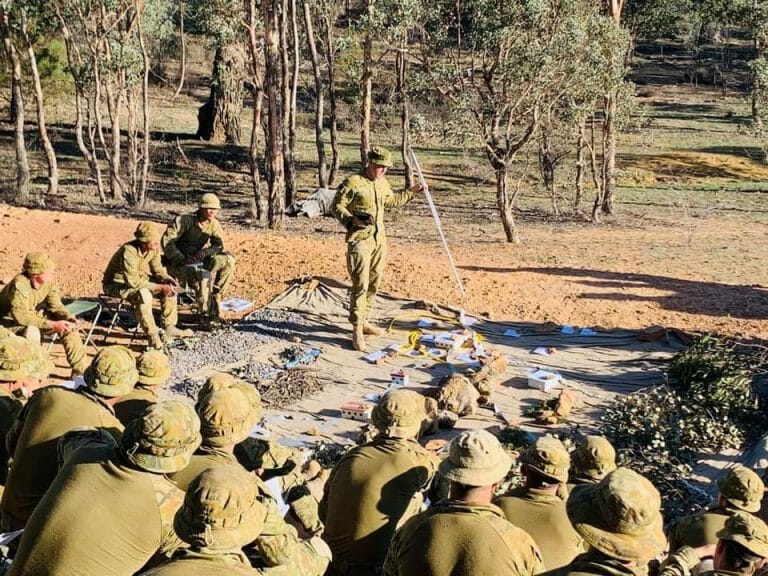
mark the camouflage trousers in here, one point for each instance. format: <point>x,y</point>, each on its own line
<point>366,260</point>
<point>311,559</point>
<point>72,342</point>
<point>141,301</point>
<point>212,278</point>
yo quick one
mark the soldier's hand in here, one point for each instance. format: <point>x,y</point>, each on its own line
<point>62,326</point>
<point>167,289</point>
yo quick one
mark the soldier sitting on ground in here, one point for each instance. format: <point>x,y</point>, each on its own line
<point>193,250</point>
<point>465,534</point>
<point>53,411</point>
<point>591,461</point>
<point>376,487</point>
<point>135,273</point>
<point>742,548</point>
<point>740,490</point>
<point>154,368</point>
<point>220,515</point>
<point>31,304</point>
<point>110,511</point>
<point>620,520</point>
<point>24,367</point>
<point>539,508</point>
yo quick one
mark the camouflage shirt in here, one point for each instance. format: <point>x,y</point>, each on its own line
<point>21,304</point>
<point>186,236</point>
<point>133,270</point>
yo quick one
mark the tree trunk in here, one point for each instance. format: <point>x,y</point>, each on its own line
<point>219,118</point>
<point>183,39</point>
<point>401,65</point>
<point>505,202</point>
<point>258,99</point>
<point>22,164</point>
<point>547,168</point>
<point>286,20</point>
<point>609,160</point>
<point>50,155</point>
<point>580,143</point>
<point>366,89</point>
<point>322,168</point>
<point>145,141</point>
<point>274,145</point>
<point>330,58</point>
<point>757,116</point>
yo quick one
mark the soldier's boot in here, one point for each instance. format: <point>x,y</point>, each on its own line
<point>155,341</point>
<point>373,330</point>
<point>172,332</point>
<point>358,339</point>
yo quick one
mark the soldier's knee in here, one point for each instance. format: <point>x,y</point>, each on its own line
<point>145,296</point>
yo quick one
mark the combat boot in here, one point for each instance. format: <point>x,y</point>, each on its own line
<point>173,332</point>
<point>155,341</point>
<point>358,340</point>
<point>373,330</point>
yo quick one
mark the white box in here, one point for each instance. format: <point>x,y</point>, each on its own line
<point>544,381</point>
<point>356,411</point>
<point>400,379</point>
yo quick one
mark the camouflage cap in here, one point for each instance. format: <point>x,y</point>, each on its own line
<point>593,459</point>
<point>742,488</point>
<point>548,457</point>
<point>221,509</point>
<point>218,381</point>
<point>154,367</point>
<point>225,417</point>
<point>209,200</point>
<point>475,458</point>
<point>112,372</point>
<point>147,232</point>
<point>82,437</point>
<point>749,531</point>
<point>254,399</point>
<point>37,263</point>
<point>380,156</point>
<point>399,414</point>
<point>163,438</point>
<point>21,359</point>
<point>620,516</point>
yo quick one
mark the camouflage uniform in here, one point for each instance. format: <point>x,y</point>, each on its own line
<point>53,411</point>
<point>746,530</point>
<point>540,513</point>
<point>185,237</point>
<point>220,515</point>
<point>620,520</point>
<point>376,487</point>
<point>740,488</point>
<point>130,275</point>
<point>455,538</point>
<point>591,461</point>
<point>20,361</point>
<point>154,368</point>
<point>366,246</point>
<point>20,302</point>
<point>109,512</point>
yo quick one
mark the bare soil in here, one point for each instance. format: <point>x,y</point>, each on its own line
<point>697,274</point>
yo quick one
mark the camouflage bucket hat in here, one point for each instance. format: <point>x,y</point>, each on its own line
<point>620,516</point>
<point>399,414</point>
<point>747,530</point>
<point>548,457</point>
<point>147,232</point>
<point>112,372</point>
<point>209,200</point>
<point>475,458</point>
<point>225,417</point>
<point>380,156</point>
<point>21,359</point>
<point>219,381</point>
<point>83,437</point>
<point>154,368</point>
<point>221,510</point>
<point>593,459</point>
<point>37,263</point>
<point>254,399</point>
<point>163,438</point>
<point>742,488</point>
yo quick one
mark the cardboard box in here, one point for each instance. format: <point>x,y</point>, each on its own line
<point>544,381</point>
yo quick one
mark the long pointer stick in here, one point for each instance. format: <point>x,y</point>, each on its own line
<point>431,203</point>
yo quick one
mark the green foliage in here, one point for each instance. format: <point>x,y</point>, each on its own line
<point>220,20</point>
<point>52,64</point>
<point>708,405</point>
<point>657,18</point>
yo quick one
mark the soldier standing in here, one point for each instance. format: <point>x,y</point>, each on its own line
<point>359,205</point>
<point>30,303</point>
<point>193,250</point>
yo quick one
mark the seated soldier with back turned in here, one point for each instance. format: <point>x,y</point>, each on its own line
<point>193,250</point>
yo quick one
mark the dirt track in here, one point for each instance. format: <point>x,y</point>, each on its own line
<point>707,277</point>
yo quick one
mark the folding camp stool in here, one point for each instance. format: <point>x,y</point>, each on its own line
<point>115,306</point>
<point>77,308</point>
